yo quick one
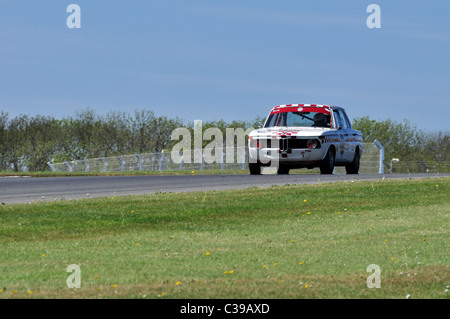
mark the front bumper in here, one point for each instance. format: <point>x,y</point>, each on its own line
<point>291,157</point>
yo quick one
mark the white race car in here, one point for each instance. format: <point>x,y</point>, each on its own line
<point>305,136</point>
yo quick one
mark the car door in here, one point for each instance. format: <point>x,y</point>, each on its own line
<point>349,144</point>
<point>340,137</point>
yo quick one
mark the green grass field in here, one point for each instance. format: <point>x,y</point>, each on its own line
<point>306,241</point>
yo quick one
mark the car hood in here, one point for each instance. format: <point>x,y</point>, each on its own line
<point>292,131</point>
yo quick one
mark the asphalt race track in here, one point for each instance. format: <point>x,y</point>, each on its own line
<point>31,189</point>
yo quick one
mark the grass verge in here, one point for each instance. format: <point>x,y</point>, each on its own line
<point>128,173</point>
<point>306,241</point>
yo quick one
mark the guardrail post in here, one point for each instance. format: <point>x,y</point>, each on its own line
<point>161,160</point>
<point>68,166</point>
<point>202,167</point>
<point>243,158</point>
<point>141,161</point>
<point>381,161</point>
<point>51,166</point>
<point>182,160</point>
<point>105,164</point>
<point>423,165</point>
<point>122,168</point>
<point>222,164</point>
<point>86,165</point>
<point>202,160</point>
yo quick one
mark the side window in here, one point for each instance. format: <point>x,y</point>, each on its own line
<point>346,123</point>
<point>337,119</point>
<point>272,120</point>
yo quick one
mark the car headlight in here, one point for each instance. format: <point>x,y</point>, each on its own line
<point>312,144</point>
<point>254,143</point>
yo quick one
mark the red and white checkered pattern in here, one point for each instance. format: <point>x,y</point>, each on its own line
<point>304,105</point>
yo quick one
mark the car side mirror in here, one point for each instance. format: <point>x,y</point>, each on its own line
<point>339,127</point>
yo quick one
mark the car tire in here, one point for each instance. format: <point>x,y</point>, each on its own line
<point>283,170</point>
<point>327,165</point>
<point>255,168</point>
<point>353,167</point>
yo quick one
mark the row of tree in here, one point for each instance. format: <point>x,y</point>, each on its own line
<point>29,142</point>
<point>405,141</point>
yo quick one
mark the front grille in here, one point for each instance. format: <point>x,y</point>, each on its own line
<point>285,143</point>
<point>297,143</point>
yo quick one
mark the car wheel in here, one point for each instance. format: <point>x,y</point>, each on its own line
<point>283,170</point>
<point>353,167</point>
<point>255,168</point>
<point>327,165</point>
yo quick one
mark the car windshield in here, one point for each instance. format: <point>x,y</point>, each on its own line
<point>299,119</point>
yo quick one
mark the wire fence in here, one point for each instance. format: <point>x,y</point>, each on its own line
<point>194,160</point>
<point>420,167</point>
<point>372,162</point>
<point>190,160</point>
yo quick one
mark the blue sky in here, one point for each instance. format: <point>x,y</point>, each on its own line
<point>211,60</point>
